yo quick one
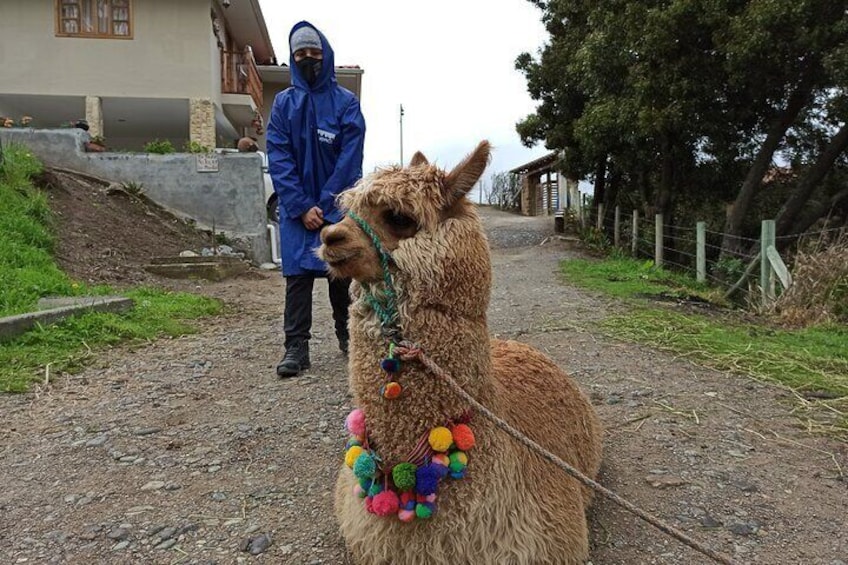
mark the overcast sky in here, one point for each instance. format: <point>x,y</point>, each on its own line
<point>450,63</point>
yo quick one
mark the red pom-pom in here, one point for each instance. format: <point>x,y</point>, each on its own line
<point>385,504</point>
<point>463,437</point>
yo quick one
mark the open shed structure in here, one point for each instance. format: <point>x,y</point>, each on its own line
<point>544,189</point>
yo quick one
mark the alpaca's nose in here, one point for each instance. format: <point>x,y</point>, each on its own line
<point>333,235</point>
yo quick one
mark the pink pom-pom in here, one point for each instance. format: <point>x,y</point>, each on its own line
<point>355,422</point>
<point>369,504</point>
<point>357,491</point>
<point>385,504</point>
<point>430,498</point>
<point>406,515</point>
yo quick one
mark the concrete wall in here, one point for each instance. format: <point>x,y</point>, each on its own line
<point>232,198</point>
<point>172,53</point>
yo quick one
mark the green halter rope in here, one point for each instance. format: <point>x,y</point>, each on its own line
<point>387,313</point>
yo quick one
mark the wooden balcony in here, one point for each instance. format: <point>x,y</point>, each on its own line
<point>239,75</point>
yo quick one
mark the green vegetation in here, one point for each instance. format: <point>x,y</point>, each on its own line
<point>811,360</point>
<point>160,147</point>
<point>195,147</point>
<point>806,360</point>
<point>28,272</point>
<point>624,277</point>
<point>69,345</point>
<point>627,92</point>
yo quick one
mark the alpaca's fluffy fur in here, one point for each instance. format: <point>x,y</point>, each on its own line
<point>513,507</point>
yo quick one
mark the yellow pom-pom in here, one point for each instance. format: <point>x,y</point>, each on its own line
<point>440,438</point>
<point>352,454</point>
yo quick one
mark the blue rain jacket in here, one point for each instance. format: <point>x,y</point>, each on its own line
<point>315,141</point>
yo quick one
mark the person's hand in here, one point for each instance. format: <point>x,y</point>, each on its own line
<point>313,218</point>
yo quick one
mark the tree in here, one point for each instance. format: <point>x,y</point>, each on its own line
<point>505,192</point>
<point>675,104</point>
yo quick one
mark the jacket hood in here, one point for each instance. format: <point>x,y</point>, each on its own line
<point>328,68</point>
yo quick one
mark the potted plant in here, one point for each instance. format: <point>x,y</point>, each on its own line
<point>8,122</point>
<point>96,144</point>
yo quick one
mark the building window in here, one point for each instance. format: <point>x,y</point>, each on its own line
<point>94,18</point>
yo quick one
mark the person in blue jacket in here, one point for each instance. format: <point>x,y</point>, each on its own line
<point>315,140</point>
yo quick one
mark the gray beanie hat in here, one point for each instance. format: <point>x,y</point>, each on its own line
<point>305,37</point>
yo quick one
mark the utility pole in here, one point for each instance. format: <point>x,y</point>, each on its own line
<point>401,135</point>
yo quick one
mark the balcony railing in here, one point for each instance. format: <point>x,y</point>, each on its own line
<point>239,75</point>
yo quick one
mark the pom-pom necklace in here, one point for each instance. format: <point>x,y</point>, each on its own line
<point>407,489</point>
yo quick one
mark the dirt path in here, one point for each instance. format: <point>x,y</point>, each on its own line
<point>181,450</point>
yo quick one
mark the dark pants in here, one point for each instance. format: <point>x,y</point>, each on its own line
<point>298,313</point>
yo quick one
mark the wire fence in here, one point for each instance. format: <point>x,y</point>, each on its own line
<point>702,253</point>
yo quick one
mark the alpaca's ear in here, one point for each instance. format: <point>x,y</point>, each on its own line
<point>462,178</point>
<point>418,159</point>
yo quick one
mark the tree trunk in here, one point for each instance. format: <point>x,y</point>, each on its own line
<point>791,209</point>
<point>662,200</point>
<point>600,186</point>
<point>731,244</point>
<point>812,216</point>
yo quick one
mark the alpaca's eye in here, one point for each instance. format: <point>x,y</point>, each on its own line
<point>398,221</point>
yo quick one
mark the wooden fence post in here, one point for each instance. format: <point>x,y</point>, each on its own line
<point>658,240</point>
<point>600,225</point>
<point>766,279</point>
<point>582,211</point>
<point>634,244</point>
<point>617,227</point>
<point>701,251</point>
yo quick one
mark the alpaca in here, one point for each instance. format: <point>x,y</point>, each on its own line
<point>478,496</point>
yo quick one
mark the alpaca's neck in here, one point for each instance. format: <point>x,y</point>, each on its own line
<point>460,346</point>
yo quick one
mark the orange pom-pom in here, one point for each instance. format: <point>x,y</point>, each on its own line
<point>392,390</point>
<point>463,437</point>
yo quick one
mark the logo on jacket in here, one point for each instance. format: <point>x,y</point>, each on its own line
<point>326,136</point>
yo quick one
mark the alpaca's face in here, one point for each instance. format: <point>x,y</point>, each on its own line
<point>399,205</point>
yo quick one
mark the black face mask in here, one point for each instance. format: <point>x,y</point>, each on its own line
<point>310,69</point>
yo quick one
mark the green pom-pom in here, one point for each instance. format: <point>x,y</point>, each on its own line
<point>364,467</point>
<point>375,489</point>
<point>458,461</point>
<point>403,475</point>
<point>365,483</point>
<point>423,510</point>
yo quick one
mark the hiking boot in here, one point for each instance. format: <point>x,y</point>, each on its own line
<point>344,346</point>
<point>295,360</point>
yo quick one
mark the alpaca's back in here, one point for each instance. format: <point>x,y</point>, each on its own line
<point>538,398</point>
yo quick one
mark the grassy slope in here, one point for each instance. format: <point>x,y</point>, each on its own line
<point>28,272</point>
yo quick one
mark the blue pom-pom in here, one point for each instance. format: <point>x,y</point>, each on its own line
<point>390,365</point>
<point>365,483</point>
<point>426,479</point>
<point>458,474</point>
<point>441,470</point>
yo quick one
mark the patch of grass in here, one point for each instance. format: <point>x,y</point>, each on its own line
<point>812,361</point>
<point>67,346</point>
<point>27,269</point>
<point>623,277</point>
<point>808,360</point>
<point>28,272</point>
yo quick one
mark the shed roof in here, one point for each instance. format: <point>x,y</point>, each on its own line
<point>540,165</point>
